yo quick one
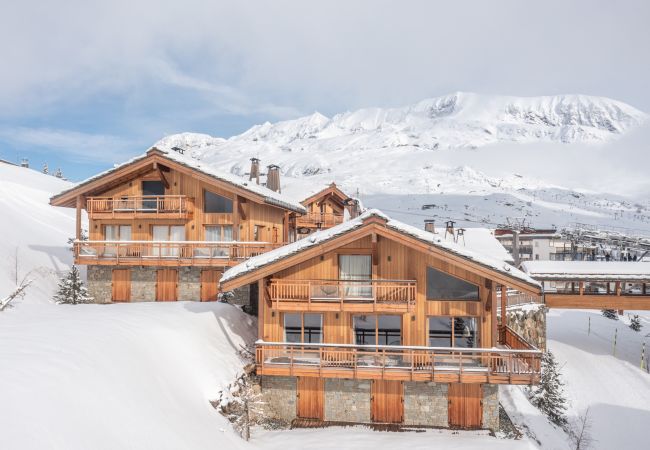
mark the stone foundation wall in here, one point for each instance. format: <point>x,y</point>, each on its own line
<point>491,406</point>
<point>347,400</point>
<point>529,322</point>
<point>240,296</point>
<point>279,397</point>
<point>426,404</point>
<point>99,281</point>
<point>143,284</point>
<point>189,284</point>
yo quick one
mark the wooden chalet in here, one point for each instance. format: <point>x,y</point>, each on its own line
<point>377,321</point>
<point>593,284</point>
<point>326,209</point>
<point>164,226</point>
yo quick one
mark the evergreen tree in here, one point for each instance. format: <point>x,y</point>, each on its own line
<point>548,396</point>
<point>635,323</point>
<point>610,314</point>
<point>72,290</point>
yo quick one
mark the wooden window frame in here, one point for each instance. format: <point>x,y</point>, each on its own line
<point>401,326</point>
<point>205,211</point>
<point>232,228</point>
<point>453,329</point>
<point>302,325</point>
<point>443,299</point>
<point>119,231</point>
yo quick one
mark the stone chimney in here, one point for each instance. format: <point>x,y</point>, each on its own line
<point>429,225</point>
<point>255,170</point>
<point>273,178</point>
<point>24,163</point>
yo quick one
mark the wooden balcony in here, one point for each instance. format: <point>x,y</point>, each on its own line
<point>634,294</point>
<point>382,362</point>
<point>167,253</point>
<point>139,207</point>
<point>397,296</point>
<point>317,219</point>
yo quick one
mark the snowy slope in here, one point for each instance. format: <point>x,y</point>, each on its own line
<point>445,147</point>
<point>32,229</point>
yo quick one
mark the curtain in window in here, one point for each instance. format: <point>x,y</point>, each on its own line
<point>356,268</point>
<point>125,232</point>
<point>111,233</point>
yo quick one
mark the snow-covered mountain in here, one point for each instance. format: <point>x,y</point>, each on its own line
<point>430,148</point>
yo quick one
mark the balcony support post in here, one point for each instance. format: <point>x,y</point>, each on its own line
<point>78,217</point>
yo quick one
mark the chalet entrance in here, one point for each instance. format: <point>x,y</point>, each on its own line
<point>387,401</point>
<point>465,405</point>
<point>309,401</point>
<point>210,285</point>
<point>166,285</point>
<point>121,285</point>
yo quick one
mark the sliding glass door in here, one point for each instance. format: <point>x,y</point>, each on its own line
<point>357,270</point>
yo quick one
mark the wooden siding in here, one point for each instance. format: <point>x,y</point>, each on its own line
<point>166,285</point>
<point>309,401</point>
<point>210,284</point>
<point>121,285</point>
<point>600,301</point>
<point>387,401</point>
<point>465,405</point>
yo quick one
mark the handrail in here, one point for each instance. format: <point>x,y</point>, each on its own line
<point>146,205</point>
<point>326,218</point>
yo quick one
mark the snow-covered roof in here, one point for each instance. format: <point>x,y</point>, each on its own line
<point>320,237</point>
<point>585,270</point>
<point>480,240</point>
<point>270,197</point>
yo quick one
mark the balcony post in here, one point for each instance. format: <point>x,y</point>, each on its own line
<point>78,217</point>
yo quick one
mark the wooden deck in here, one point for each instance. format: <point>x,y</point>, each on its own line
<point>167,253</point>
<point>440,365</point>
<point>389,296</point>
<point>140,207</point>
<point>594,294</point>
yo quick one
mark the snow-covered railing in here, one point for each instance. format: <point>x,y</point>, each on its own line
<point>149,252</point>
<point>179,206</point>
<point>324,219</point>
<point>516,298</point>
<point>438,364</point>
<point>376,295</point>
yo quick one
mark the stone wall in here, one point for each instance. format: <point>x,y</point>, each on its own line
<point>347,400</point>
<point>240,296</point>
<point>530,322</point>
<point>491,406</point>
<point>426,404</point>
<point>279,397</point>
<point>189,284</point>
<point>143,284</point>
<point>99,281</point>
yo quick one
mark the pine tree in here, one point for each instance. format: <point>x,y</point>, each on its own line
<point>548,396</point>
<point>72,290</point>
<point>610,314</point>
<point>635,323</point>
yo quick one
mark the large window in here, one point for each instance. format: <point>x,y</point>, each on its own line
<point>377,330</point>
<point>442,286</point>
<point>117,232</point>
<point>219,233</point>
<point>303,327</point>
<point>149,188</point>
<point>356,269</point>
<point>453,332</point>
<point>167,233</point>
<point>215,203</point>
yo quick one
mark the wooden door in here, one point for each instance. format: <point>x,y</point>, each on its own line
<point>387,401</point>
<point>310,398</point>
<point>465,405</point>
<point>166,283</point>
<point>210,285</point>
<point>121,285</point>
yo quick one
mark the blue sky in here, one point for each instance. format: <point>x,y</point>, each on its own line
<point>88,84</point>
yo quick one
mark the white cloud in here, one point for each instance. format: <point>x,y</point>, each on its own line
<point>79,147</point>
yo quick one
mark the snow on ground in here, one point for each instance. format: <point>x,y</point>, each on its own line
<point>32,230</point>
<point>614,388</point>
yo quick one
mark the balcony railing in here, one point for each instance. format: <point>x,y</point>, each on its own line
<point>325,220</point>
<point>168,206</point>
<point>343,295</point>
<point>200,253</point>
<point>437,364</point>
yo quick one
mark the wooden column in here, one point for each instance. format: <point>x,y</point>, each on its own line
<point>78,217</point>
<point>235,218</point>
<point>493,301</point>
<point>261,307</point>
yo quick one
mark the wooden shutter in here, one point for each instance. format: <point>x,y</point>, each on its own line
<point>309,404</point>
<point>465,405</point>
<point>121,285</point>
<point>210,285</point>
<point>166,283</point>
<point>387,401</point>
